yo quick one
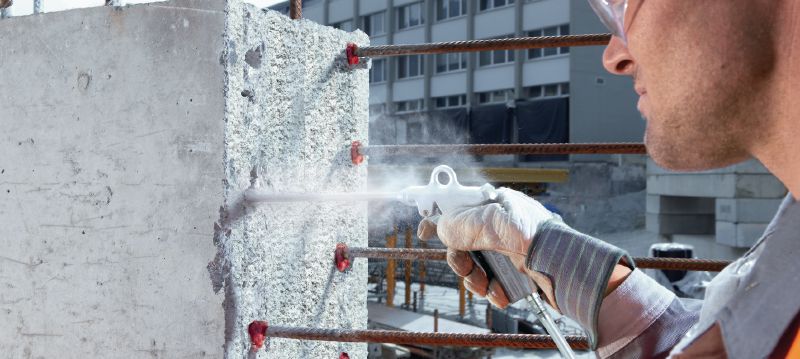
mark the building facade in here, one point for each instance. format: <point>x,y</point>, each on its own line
<point>405,91</point>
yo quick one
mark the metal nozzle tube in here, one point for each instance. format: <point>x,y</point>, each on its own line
<point>550,325</point>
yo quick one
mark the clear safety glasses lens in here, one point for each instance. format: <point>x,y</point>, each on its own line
<point>611,14</point>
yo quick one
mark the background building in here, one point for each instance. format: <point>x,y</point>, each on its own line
<point>596,106</point>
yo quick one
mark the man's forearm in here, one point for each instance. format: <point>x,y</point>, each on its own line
<point>618,276</point>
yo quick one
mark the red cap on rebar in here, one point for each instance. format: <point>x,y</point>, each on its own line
<point>344,356</point>
<point>355,153</point>
<point>352,58</point>
<point>341,257</point>
<point>258,334</point>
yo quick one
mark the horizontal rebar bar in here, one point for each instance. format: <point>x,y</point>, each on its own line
<point>506,149</point>
<point>519,43</point>
<point>295,9</point>
<point>441,254</point>
<point>530,341</point>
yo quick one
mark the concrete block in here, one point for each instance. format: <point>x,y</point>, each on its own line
<point>716,185</point>
<point>666,224</point>
<point>112,139</point>
<point>747,210</point>
<point>117,164</point>
<point>740,235</point>
<point>679,205</point>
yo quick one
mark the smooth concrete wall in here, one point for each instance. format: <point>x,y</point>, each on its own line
<point>112,142</point>
<point>592,89</point>
<point>293,106</point>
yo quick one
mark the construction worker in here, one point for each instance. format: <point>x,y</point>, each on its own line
<point>718,82</point>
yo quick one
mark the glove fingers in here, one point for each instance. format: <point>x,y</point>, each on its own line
<point>469,229</point>
<point>460,261</point>
<point>427,228</point>
<point>496,295</point>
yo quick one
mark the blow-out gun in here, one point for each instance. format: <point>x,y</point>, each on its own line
<point>444,194</point>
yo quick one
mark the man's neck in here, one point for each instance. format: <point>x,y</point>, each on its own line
<point>779,148</point>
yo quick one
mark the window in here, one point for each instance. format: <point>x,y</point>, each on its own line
<point>378,71</point>
<point>551,51</point>
<point>451,62</point>
<point>410,15</point>
<point>410,66</point>
<point>409,106</point>
<point>495,57</point>
<point>484,5</point>
<point>446,9</point>
<point>346,25</point>
<point>548,90</point>
<point>374,24</point>
<point>450,101</point>
<point>499,96</point>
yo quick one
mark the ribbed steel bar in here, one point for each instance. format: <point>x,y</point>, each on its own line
<point>506,149</point>
<point>441,254</point>
<point>519,43</point>
<point>530,341</point>
<point>295,9</point>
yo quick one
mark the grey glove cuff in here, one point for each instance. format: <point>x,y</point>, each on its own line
<point>579,267</point>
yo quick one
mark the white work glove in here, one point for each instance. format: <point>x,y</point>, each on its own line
<point>507,226</point>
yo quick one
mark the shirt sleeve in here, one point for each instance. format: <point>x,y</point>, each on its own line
<point>642,319</point>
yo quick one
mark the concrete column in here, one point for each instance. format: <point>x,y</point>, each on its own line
<point>326,12</point>
<point>428,59</point>
<point>520,55</point>
<point>305,107</point>
<point>391,62</point>
<point>472,57</point>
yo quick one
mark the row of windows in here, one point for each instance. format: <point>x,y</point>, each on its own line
<point>414,65</point>
<point>483,98</point>
<point>414,15</point>
<point>550,51</point>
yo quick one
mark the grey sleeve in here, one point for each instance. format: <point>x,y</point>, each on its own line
<point>642,319</point>
<point>579,266</point>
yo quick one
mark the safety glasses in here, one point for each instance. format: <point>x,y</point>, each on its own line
<point>612,15</point>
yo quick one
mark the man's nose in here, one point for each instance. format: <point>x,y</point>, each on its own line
<point>617,59</point>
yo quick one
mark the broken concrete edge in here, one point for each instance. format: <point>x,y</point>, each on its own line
<point>246,90</point>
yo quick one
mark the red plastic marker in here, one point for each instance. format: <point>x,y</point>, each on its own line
<point>258,334</point>
<point>355,153</point>
<point>341,257</point>
<point>352,58</point>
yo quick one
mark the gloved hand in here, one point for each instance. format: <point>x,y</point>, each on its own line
<point>507,226</point>
<point>573,270</point>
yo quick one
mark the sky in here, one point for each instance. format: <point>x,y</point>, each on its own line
<point>24,7</point>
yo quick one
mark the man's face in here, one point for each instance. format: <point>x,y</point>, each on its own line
<point>701,69</point>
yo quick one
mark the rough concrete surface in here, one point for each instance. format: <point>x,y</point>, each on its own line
<point>292,108</point>
<point>111,143</point>
<point>127,136</point>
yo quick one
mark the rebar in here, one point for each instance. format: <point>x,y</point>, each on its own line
<point>441,254</point>
<point>505,149</point>
<point>295,9</point>
<point>529,341</point>
<point>519,43</point>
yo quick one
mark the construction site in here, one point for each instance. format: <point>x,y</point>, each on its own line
<point>225,179</point>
